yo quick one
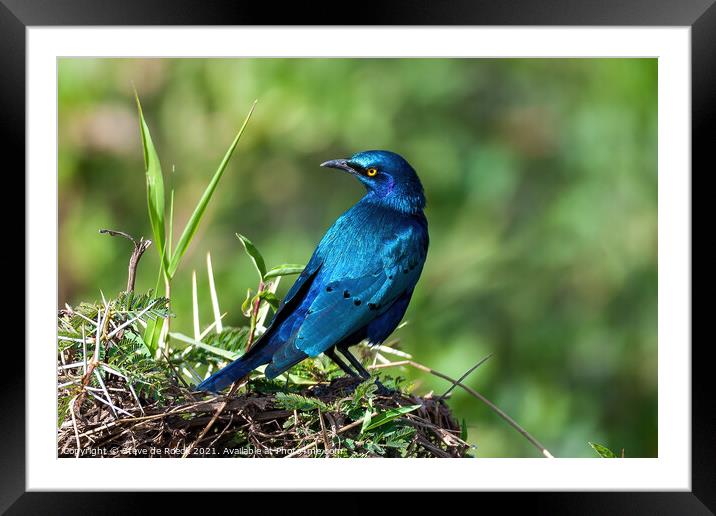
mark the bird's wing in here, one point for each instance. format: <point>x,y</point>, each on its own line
<point>303,280</point>
<point>345,305</point>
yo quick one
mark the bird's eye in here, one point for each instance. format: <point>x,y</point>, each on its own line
<point>371,171</point>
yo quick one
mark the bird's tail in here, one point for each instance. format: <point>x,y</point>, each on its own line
<point>234,371</point>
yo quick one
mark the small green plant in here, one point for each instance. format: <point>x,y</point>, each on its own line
<point>382,431</point>
<point>212,347</point>
<point>293,401</point>
<point>102,344</point>
<point>170,257</point>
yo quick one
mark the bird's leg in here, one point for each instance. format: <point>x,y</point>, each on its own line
<point>331,353</point>
<point>382,389</point>
<point>362,371</point>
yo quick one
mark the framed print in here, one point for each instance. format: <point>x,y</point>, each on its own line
<point>433,249</point>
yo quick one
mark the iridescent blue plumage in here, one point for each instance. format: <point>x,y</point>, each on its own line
<point>358,283</point>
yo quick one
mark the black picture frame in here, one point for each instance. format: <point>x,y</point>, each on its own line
<point>700,15</point>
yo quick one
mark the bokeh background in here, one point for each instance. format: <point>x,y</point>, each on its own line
<point>541,178</point>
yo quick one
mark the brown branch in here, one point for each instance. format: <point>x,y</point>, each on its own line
<point>102,323</point>
<point>465,375</point>
<point>234,387</point>
<point>139,247</point>
<point>326,443</point>
<point>74,425</point>
<point>339,431</point>
<point>267,429</point>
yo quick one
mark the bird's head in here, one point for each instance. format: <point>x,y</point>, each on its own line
<point>388,177</point>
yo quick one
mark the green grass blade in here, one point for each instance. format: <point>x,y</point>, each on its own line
<point>463,430</point>
<point>223,353</point>
<point>214,296</point>
<point>388,416</point>
<point>155,184</point>
<point>171,220</point>
<point>195,307</point>
<point>366,420</point>
<point>284,270</point>
<point>151,336</point>
<point>254,254</point>
<point>193,223</point>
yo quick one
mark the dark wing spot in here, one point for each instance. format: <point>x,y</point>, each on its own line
<point>357,302</point>
<point>346,294</point>
<point>372,306</point>
<point>329,289</point>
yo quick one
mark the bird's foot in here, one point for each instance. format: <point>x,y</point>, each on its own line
<point>383,390</point>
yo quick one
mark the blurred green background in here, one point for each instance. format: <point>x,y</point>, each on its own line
<point>541,178</point>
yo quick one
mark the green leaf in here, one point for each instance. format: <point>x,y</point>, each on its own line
<point>223,353</point>
<point>155,185</point>
<point>153,329</point>
<point>366,420</point>
<point>140,347</point>
<point>387,416</point>
<point>254,254</point>
<point>269,297</point>
<point>230,339</point>
<point>284,270</point>
<point>292,401</point>
<point>400,437</point>
<point>246,305</point>
<point>603,451</point>
<point>63,409</point>
<point>364,391</point>
<point>193,224</point>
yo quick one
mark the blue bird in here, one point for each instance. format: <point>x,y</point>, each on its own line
<point>359,281</point>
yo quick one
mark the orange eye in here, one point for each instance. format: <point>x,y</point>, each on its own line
<point>371,171</point>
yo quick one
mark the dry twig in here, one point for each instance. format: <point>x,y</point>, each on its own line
<point>140,246</point>
<point>544,451</point>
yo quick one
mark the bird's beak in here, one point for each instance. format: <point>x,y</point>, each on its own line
<point>340,164</point>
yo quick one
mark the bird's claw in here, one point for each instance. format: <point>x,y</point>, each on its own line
<point>383,390</point>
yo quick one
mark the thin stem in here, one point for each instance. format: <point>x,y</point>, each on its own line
<point>218,412</point>
<point>465,375</point>
<point>163,344</point>
<point>339,431</point>
<point>254,315</point>
<point>74,425</point>
<point>544,451</point>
